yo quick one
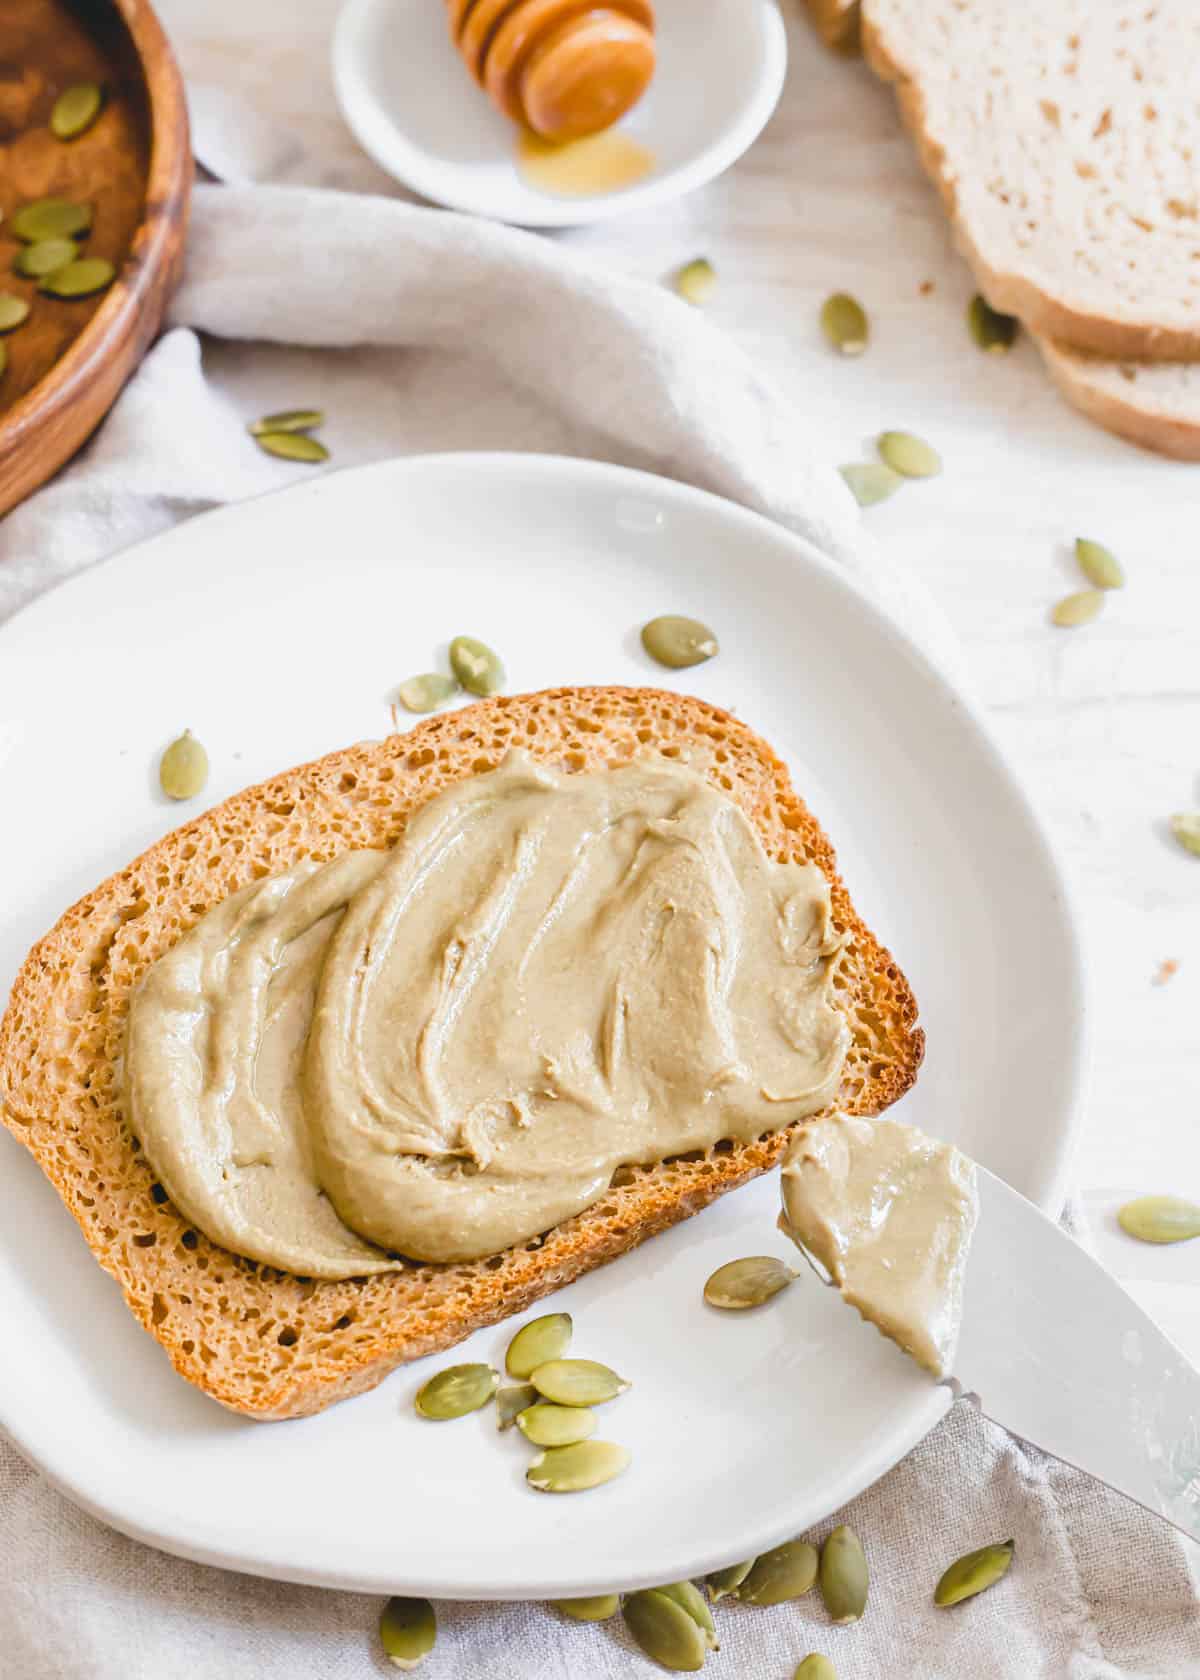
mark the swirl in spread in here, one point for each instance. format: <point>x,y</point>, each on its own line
<point>445,1049</point>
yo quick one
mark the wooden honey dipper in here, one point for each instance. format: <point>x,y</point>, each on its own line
<point>563,68</point>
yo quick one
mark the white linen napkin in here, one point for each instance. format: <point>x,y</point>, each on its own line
<point>417,330</point>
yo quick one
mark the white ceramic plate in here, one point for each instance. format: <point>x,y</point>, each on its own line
<point>407,95</point>
<point>276,630</point>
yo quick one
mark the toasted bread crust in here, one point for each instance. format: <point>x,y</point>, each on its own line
<point>264,1342</point>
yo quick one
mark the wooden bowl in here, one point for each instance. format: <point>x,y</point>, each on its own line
<point>69,360</point>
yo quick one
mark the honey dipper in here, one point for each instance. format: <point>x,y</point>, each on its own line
<point>563,68</point>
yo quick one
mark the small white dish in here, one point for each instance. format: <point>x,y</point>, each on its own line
<point>745,1429</point>
<point>411,103</point>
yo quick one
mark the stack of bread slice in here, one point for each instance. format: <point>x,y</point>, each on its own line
<point>1065,142</point>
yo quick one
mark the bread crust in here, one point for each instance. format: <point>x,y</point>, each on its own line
<point>1127,409</point>
<point>1043,312</point>
<point>272,1345</point>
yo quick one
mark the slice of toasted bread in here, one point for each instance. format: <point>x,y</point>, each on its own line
<point>1061,139</point>
<point>1154,404</point>
<point>274,1345</point>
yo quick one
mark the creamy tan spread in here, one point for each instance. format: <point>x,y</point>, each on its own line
<point>889,1213</point>
<point>443,1050</point>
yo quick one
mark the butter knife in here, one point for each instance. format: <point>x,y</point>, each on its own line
<point>1056,1351</point>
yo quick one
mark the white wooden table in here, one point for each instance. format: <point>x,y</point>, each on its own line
<point>1104,723</point>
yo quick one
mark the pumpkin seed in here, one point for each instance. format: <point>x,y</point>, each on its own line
<point>665,1632</point>
<point>292,446</point>
<point>696,281</point>
<point>183,769</point>
<point>511,1402</point>
<point>556,1426</point>
<point>477,668</point>
<point>972,1574</point>
<point>679,642</point>
<point>407,1630</point>
<point>13,310</point>
<point>689,1597</point>
<point>288,420</point>
<point>1098,564</point>
<point>1077,609</point>
<point>78,279</point>
<point>786,1571</point>
<point>537,1342</point>
<point>990,330</point>
<point>870,481</point>
<point>844,1575</point>
<point>747,1283</point>
<point>1160,1219</point>
<point>588,1609</point>
<point>1185,826</point>
<point>724,1581</point>
<point>457,1390</point>
<point>46,257</point>
<point>585,1464</point>
<point>815,1667</point>
<point>75,110</point>
<point>844,323</point>
<point>426,692</point>
<point>909,455</point>
<point>51,218</point>
<point>576,1382</point>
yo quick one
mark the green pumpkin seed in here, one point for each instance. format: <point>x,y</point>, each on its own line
<point>51,218</point>
<point>724,1581</point>
<point>288,420</point>
<point>972,1574</point>
<point>537,1342</point>
<point>457,1390</point>
<point>990,330</point>
<point>426,692</point>
<point>78,279</point>
<point>75,110</point>
<point>1077,609</point>
<point>183,769</point>
<point>1185,826</point>
<point>13,311</point>
<point>747,1283</point>
<point>689,1597</point>
<point>696,281</point>
<point>815,1667</point>
<point>511,1402</point>
<point>576,1382</point>
<point>844,323</point>
<point>588,1609</point>
<point>785,1572</point>
<point>1098,564</point>
<point>585,1464</point>
<point>909,455</point>
<point>48,256</point>
<point>1160,1219</point>
<point>477,668</point>
<point>679,642</point>
<point>556,1426</point>
<point>292,446</point>
<point>844,1575</point>
<point>665,1632</point>
<point>407,1630</point>
<point>870,481</point>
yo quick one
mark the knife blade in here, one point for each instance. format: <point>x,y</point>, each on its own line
<point>1058,1353</point>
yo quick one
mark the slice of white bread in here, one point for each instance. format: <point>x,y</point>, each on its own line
<point>1154,404</point>
<point>1065,141</point>
<point>274,1345</point>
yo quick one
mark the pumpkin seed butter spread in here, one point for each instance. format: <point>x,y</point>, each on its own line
<point>889,1213</point>
<point>447,1048</point>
